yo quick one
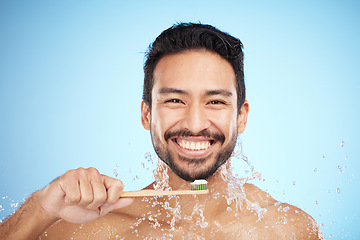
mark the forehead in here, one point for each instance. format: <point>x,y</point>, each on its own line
<point>194,71</point>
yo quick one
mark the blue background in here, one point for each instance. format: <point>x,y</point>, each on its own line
<point>71,82</point>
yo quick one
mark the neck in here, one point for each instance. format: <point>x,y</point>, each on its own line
<point>222,189</point>
<point>166,179</point>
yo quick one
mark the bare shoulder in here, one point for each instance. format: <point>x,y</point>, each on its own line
<point>282,219</point>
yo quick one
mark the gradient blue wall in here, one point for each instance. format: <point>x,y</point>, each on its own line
<point>71,80</point>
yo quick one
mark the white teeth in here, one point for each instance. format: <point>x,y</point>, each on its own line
<point>197,145</point>
<point>194,145</point>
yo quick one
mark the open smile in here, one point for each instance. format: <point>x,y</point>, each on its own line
<point>193,146</point>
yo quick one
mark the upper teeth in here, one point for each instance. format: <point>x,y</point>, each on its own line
<point>199,145</point>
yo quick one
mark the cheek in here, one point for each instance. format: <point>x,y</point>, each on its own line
<point>226,123</point>
<point>162,121</point>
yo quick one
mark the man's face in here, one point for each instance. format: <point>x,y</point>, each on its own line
<point>193,119</point>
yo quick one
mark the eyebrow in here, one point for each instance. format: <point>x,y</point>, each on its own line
<point>223,92</point>
<point>172,90</point>
<point>219,92</point>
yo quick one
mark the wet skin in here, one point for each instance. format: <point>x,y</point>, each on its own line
<point>139,220</point>
<point>194,91</point>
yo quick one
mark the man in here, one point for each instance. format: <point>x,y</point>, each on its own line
<point>194,106</point>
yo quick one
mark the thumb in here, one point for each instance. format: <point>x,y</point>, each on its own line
<point>122,202</point>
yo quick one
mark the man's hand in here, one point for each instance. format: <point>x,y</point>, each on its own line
<point>78,196</point>
<point>82,195</point>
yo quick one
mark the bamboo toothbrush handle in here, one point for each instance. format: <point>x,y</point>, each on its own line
<point>149,193</point>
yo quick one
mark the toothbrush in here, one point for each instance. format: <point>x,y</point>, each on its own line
<point>196,187</point>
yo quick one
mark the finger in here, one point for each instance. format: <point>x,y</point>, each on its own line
<point>123,202</point>
<point>86,190</point>
<point>98,188</point>
<point>114,188</point>
<point>120,203</point>
<point>69,183</point>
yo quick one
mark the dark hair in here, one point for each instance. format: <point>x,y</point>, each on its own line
<point>193,36</point>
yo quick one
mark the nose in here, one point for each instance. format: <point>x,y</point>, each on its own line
<point>196,119</point>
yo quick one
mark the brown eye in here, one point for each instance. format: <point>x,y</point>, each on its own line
<point>174,100</point>
<point>215,102</point>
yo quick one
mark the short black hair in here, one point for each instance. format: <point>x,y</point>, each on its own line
<point>195,36</point>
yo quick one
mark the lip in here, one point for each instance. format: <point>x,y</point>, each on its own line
<point>201,153</point>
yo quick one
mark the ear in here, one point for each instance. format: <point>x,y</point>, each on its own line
<point>145,115</point>
<point>242,118</point>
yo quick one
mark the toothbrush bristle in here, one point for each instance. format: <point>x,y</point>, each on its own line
<point>198,185</point>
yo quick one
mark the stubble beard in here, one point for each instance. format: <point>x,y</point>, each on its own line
<point>193,163</point>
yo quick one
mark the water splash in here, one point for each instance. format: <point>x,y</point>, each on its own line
<point>116,172</point>
<point>169,207</point>
<point>161,177</point>
<point>236,190</point>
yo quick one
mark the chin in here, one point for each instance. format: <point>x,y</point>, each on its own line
<point>194,172</point>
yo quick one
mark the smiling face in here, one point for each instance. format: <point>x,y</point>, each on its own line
<point>194,119</point>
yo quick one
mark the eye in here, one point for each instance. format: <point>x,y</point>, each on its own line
<point>216,102</point>
<point>174,100</point>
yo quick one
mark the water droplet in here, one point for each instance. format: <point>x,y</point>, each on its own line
<point>316,202</point>
<point>315,169</point>
<point>116,172</point>
<point>228,209</point>
<point>342,144</point>
<point>293,182</point>
<point>143,165</point>
<point>340,169</point>
<point>323,156</point>
<point>338,190</point>
<point>346,158</point>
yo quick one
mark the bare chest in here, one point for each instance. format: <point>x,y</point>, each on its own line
<point>188,227</point>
